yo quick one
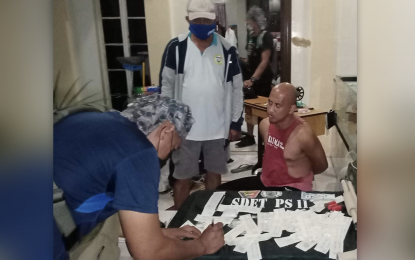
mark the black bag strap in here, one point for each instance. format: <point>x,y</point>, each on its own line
<point>63,218</point>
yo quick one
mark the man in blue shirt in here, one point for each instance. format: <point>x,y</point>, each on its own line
<point>109,162</point>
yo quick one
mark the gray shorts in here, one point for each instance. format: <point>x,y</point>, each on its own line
<point>186,158</point>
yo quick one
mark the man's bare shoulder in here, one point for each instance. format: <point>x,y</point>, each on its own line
<point>264,122</point>
<point>263,127</point>
<point>305,133</point>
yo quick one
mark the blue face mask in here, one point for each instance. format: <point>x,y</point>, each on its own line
<point>202,31</point>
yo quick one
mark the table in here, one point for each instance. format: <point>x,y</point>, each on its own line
<point>256,110</point>
<point>195,203</point>
<point>165,216</point>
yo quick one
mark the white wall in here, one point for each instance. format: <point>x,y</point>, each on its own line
<point>83,22</point>
<point>77,50</point>
<point>346,26</point>
<point>63,50</point>
<point>323,53</point>
<point>331,26</point>
<point>168,21</point>
<point>158,33</point>
<point>275,5</point>
<point>236,14</point>
<point>301,56</point>
<point>178,13</point>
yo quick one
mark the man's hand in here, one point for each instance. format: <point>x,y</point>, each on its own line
<point>213,238</point>
<point>178,233</point>
<point>234,135</point>
<point>248,83</point>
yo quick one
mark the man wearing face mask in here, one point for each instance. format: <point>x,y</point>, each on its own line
<point>201,69</point>
<point>260,49</point>
<point>109,162</point>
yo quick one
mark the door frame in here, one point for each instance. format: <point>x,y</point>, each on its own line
<point>286,15</point>
<point>285,22</point>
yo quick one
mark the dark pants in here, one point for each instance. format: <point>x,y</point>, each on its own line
<point>262,87</point>
<point>250,183</point>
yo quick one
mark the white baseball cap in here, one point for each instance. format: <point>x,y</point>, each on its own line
<point>201,9</point>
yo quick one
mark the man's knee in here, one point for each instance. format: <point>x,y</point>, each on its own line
<point>182,184</point>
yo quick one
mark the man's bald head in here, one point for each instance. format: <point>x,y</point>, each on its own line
<point>287,90</point>
<point>282,102</point>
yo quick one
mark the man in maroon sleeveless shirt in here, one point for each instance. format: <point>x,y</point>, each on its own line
<point>293,153</point>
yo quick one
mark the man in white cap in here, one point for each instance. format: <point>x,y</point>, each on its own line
<point>201,69</point>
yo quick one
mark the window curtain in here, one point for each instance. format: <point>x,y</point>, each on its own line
<point>221,14</point>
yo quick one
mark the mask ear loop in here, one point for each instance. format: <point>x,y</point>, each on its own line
<point>352,158</point>
<point>161,132</point>
<point>171,142</point>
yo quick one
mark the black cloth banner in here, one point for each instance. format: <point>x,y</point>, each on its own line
<point>290,200</point>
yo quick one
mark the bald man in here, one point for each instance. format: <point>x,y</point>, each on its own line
<point>293,153</point>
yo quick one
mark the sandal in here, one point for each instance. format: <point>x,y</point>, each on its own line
<point>242,168</point>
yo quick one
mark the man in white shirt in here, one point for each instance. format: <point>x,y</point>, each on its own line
<point>201,70</point>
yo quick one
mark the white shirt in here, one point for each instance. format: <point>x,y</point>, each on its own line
<point>204,92</point>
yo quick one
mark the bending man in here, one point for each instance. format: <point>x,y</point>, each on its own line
<point>109,162</point>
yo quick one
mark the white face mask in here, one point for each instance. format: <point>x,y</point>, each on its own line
<point>250,29</point>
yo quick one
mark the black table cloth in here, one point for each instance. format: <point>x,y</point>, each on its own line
<point>290,200</point>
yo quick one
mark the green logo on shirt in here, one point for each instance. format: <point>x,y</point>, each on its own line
<point>219,59</point>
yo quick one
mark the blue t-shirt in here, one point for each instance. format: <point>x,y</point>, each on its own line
<point>103,163</point>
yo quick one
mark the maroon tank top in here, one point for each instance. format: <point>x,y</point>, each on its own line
<point>274,167</point>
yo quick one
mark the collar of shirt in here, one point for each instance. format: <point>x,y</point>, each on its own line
<point>214,41</point>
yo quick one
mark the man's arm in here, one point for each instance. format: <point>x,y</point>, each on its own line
<point>167,75</point>
<point>237,96</point>
<point>145,239</point>
<point>265,55</point>
<point>313,149</point>
<point>264,128</point>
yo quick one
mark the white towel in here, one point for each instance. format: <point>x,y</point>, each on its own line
<point>230,37</point>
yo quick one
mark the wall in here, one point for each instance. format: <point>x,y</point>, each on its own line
<point>323,53</point>
<point>346,26</point>
<point>178,12</point>
<point>323,59</point>
<point>236,14</point>
<point>63,50</point>
<point>25,88</point>
<point>158,33</point>
<point>301,26</point>
<point>77,50</point>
